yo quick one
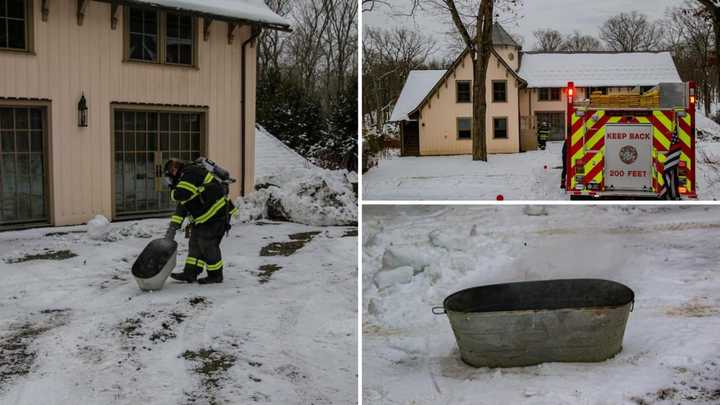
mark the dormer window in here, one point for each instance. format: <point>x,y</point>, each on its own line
<point>15,25</point>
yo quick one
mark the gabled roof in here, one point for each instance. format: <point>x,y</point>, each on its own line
<point>249,10</point>
<point>501,37</point>
<point>598,69</point>
<point>417,85</point>
<point>405,110</point>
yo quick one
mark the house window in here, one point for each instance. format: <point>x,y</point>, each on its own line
<point>179,44</point>
<point>14,25</point>
<point>500,128</point>
<point>160,37</point>
<point>464,128</point>
<point>549,94</point>
<point>143,34</point>
<point>464,92</point>
<point>499,91</point>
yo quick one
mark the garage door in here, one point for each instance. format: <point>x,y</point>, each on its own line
<point>557,123</point>
<point>23,188</point>
<point>143,141</point>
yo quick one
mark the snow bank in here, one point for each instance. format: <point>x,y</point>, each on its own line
<point>707,129</point>
<point>307,196</point>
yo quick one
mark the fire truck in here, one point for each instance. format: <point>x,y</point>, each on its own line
<point>632,145</point>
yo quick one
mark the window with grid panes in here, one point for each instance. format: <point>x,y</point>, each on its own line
<point>14,21</point>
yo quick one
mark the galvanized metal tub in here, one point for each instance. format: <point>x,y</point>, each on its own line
<point>526,323</point>
<point>155,263</point>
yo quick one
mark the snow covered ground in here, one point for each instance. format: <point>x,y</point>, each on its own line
<point>533,175</point>
<point>418,255</point>
<point>281,329</point>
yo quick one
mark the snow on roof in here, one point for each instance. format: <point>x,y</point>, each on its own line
<point>252,10</point>
<point>417,85</point>
<point>598,69</point>
<point>272,156</point>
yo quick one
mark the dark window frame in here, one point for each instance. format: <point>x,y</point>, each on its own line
<point>162,41</point>
<point>504,91</point>
<point>549,94</point>
<point>45,118</point>
<point>457,91</point>
<point>506,129</point>
<point>457,128</point>
<point>29,31</point>
<point>122,108</point>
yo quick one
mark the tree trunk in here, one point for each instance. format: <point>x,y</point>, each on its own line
<point>716,27</point>
<point>481,58</point>
<point>707,97</point>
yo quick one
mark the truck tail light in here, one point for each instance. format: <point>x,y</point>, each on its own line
<point>691,91</point>
<point>682,190</point>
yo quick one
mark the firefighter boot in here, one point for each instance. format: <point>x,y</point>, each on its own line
<point>213,277</point>
<point>188,275</point>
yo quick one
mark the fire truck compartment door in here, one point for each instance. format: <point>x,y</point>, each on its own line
<point>628,157</point>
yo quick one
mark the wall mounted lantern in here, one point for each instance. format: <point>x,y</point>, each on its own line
<point>82,112</point>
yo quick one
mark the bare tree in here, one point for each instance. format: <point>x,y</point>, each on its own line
<point>272,42</point>
<point>712,7</point>
<point>479,15</point>
<point>306,44</point>
<point>576,42</point>
<point>631,32</point>
<point>341,40</point>
<point>691,38</point>
<point>388,57</point>
<point>548,40</point>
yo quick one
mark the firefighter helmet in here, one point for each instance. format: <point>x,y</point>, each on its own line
<point>173,170</point>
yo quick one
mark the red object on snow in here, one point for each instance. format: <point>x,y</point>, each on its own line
<point>500,197</point>
<point>545,167</point>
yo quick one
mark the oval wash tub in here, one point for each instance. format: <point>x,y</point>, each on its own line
<point>532,322</point>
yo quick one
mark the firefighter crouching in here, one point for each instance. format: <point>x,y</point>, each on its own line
<point>543,134</point>
<point>203,199</point>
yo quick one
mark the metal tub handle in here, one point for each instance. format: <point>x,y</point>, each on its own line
<point>439,311</point>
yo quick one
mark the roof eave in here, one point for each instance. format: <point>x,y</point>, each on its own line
<point>218,17</point>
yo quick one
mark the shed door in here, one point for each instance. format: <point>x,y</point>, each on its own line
<point>557,123</point>
<point>143,141</point>
<point>23,185</point>
<point>411,138</point>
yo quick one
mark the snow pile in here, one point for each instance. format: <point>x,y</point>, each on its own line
<point>707,129</point>
<point>306,196</point>
<point>98,228</point>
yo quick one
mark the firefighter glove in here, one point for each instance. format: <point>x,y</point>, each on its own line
<point>172,229</point>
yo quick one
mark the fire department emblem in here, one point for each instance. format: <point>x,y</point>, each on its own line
<point>628,154</point>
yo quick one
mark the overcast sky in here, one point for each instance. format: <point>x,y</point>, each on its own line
<point>563,15</point>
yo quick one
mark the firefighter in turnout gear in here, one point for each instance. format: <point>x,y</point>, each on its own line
<point>543,134</point>
<point>203,199</point>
